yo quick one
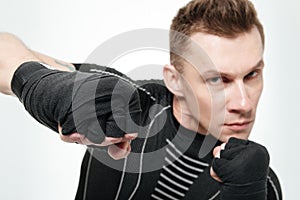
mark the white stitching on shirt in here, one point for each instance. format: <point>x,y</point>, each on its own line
<point>156,197</point>
<point>180,169</point>
<point>124,167</point>
<point>87,173</point>
<point>122,179</point>
<point>173,182</point>
<point>126,80</point>
<point>213,197</point>
<point>143,149</point>
<point>186,157</point>
<point>183,163</point>
<point>165,194</point>
<point>274,187</point>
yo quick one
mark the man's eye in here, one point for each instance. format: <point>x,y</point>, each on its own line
<point>214,80</point>
<point>252,75</point>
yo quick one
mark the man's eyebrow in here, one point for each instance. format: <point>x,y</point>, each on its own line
<point>260,64</point>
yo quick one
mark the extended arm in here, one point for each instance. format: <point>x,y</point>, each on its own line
<point>47,95</point>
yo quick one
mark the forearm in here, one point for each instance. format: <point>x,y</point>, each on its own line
<point>55,63</point>
<point>13,52</point>
<point>79,102</point>
<point>46,94</point>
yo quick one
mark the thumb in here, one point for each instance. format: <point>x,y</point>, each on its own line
<point>217,150</point>
<point>217,154</point>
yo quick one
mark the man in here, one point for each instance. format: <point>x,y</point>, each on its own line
<point>173,118</point>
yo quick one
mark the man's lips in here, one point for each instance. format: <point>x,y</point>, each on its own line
<point>238,126</point>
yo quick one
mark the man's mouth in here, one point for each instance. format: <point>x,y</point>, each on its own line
<point>238,126</point>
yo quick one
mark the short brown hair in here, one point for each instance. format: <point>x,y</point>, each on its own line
<point>225,18</point>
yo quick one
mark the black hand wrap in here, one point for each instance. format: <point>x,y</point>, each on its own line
<point>96,105</point>
<point>243,168</point>
<point>104,105</point>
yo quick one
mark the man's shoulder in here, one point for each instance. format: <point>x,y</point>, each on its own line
<point>156,90</point>
<point>95,68</point>
<point>153,90</point>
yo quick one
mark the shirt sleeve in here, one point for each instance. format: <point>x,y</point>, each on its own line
<point>273,185</point>
<point>94,104</point>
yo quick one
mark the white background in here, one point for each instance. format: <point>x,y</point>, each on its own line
<point>36,165</point>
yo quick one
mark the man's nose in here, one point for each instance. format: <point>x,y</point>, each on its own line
<point>238,99</point>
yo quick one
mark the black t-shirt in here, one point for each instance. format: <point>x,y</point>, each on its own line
<point>164,162</point>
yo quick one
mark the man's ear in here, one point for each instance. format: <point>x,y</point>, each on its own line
<point>173,81</point>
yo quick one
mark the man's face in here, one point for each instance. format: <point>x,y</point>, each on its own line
<point>223,99</point>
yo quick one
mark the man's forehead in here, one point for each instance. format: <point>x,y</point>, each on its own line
<point>228,72</point>
<point>214,54</point>
<point>209,68</point>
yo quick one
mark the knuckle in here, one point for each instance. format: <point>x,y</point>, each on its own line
<point>259,152</point>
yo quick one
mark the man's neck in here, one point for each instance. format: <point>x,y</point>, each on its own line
<point>184,116</point>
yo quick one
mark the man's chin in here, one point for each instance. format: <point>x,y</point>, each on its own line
<point>226,137</point>
<point>225,134</point>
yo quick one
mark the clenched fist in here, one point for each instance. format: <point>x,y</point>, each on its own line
<point>242,168</point>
